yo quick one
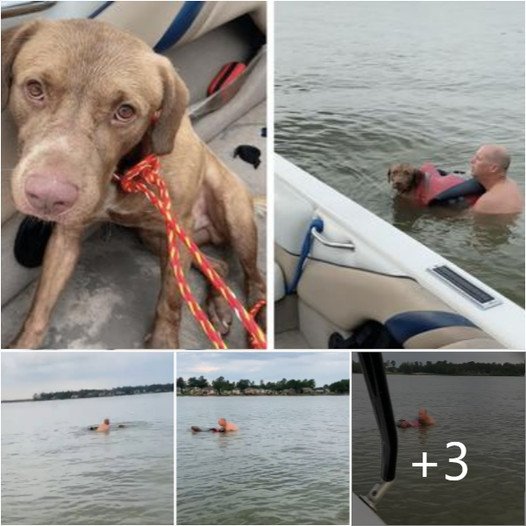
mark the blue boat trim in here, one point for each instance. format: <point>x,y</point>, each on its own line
<point>408,324</point>
<point>179,26</point>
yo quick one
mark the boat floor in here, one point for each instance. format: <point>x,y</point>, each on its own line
<point>110,301</point>
<point>292,339</point>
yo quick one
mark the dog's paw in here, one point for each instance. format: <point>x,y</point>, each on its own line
<point>220,313</point>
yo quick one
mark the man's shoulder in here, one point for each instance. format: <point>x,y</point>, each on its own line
<point>489,202</point>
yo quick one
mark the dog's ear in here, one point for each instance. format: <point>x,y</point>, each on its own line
<point>175,101</point>
<point>389,175</point>
<point>12,41</point>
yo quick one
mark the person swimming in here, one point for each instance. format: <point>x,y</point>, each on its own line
<point>224,427</point>
<point>104,426</point>
<point>424,420</point>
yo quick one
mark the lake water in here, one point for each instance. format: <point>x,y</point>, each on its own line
<point>288,464</point>
<point>54,471</point>
<point>486,414</point>
<point>362,85</point>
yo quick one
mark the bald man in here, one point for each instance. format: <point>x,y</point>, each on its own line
<point>226,425</point>
<point>104,426</point>
<point>489,166</point>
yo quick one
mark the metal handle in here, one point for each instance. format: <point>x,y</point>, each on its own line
<point>25,8</point>
<point>349,245</point>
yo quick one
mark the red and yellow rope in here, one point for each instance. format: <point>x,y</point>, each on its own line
<point>146,173</point>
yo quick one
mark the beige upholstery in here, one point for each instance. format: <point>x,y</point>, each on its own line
<point>279,283</point>
<point>333,297</point>
<point>452,338</point>
<point>475,343</point>
<point>348,296</point>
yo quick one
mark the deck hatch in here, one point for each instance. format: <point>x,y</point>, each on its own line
<point>482,298</point>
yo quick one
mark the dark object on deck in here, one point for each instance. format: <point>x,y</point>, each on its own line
<point>249,154</point>
<point>369,335</point>
<point>31,241</point>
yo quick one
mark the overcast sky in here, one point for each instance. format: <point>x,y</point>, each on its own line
<point>454,357</point>
<point>26,373</point>
<point>324,367</point>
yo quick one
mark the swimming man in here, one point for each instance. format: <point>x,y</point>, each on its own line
<point>489,166</point>
<point>105,426</point>
<point>227,426</point>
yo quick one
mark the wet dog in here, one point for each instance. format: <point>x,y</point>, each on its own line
<point>405,178</point>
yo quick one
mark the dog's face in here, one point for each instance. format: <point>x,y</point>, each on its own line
<point>404,177</point>
<point>84,95</point>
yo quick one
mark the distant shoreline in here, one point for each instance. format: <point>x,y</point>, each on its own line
<point>257,391</point>
<point>83,398</point>
<point>445,368</point>
<point>452,375</point>
<point>226,395</point>
<point>96,393</point>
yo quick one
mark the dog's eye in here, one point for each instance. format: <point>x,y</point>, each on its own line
<point>35,90</point>
<point>125,113</point>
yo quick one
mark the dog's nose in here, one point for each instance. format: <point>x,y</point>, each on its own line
<point>49,194</point>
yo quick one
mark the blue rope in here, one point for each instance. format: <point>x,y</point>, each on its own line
<point>305,250</point>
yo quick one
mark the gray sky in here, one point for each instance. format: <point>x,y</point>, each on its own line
<point>453,357</point>
<point>25,373</point>
<point>324,367</point>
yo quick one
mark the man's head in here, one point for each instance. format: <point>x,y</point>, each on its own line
<point>107,421</point>
<point>222,422</point>
<point>490,163</point>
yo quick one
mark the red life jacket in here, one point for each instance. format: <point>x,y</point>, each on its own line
<point>435,185</point>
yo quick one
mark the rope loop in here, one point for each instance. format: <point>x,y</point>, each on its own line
<point>137,179</point>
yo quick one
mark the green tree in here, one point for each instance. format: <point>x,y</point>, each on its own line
<point>181,384</point>
<point>243,384</point>
<point>221,385</point>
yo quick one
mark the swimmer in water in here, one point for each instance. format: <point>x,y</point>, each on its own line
<point>105,426</point>
<point>424,420</point>
<point>224,427</point>
<point>227,426</point>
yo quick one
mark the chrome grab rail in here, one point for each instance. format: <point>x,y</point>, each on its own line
<point>349,245</point>
<point>25,8</point>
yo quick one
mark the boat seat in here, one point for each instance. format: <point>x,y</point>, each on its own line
<point>438,330</point>
<point>279,283</point>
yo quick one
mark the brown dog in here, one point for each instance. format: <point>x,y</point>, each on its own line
<point>404,178</point>
<point>89,101</point>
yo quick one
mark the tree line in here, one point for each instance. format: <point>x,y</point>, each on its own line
<point>453,369</point>
<point>222,385</point>
<point>98,393</point>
